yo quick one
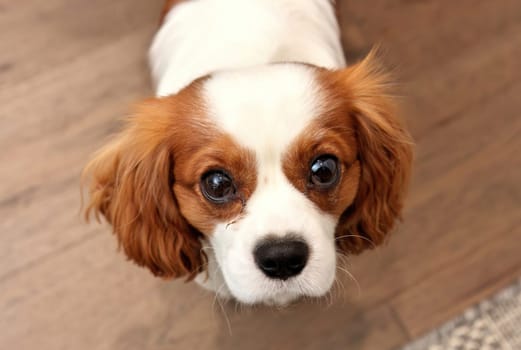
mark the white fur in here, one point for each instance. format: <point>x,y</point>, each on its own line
<point>204,36</point>
<point>263,107</point>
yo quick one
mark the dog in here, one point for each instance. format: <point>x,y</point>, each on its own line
<point>262,158</point>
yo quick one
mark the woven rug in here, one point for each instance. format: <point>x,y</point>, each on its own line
<point>492,324</point>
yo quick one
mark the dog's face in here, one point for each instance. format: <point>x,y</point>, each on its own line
<point>274,168</point>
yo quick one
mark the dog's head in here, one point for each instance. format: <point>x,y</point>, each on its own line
<point>276,168</point>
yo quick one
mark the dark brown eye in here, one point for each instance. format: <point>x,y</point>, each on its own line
<point>324,172</point>
<point>217,187</point>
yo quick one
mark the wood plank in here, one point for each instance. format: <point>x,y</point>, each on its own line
<point>47,168</point>
<point>39,36</point>
<point>446,204</point>
<point>88,297</point>
<point>458,286</point>
<point>421,35</point>
<point>477,62</point>
<point>485,213</point>
<point>481,72</point>
<point>69,69</point>
<point>310,327</point>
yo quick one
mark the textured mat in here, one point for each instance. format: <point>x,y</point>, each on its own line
<point>492,324</point>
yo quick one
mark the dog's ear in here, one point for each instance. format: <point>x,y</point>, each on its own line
<point>384,153</point>
<point>131,183</point>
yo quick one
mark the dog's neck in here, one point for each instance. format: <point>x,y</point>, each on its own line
<point>204,36</point>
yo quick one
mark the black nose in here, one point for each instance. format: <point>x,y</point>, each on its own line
<point>281,258</point>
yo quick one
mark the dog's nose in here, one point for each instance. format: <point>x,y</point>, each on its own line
<point>281,258</point>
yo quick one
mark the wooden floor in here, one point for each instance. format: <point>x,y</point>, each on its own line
<point>70,68</point>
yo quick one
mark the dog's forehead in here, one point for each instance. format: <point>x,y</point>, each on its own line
<point>264,108</point>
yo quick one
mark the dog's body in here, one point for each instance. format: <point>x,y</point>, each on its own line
<point>262,156</point>
<point>200,37</point>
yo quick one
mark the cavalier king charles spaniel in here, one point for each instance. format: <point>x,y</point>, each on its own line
<point>262,156</point>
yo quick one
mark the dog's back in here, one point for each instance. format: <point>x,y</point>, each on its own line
<point>200,37</point>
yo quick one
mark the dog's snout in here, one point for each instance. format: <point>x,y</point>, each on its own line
<point>281,258</point>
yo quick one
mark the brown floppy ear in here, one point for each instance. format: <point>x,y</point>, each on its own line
<point>131,183</point>
<point>385,156</point>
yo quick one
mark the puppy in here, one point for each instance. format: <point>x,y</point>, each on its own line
<point>262,156</point>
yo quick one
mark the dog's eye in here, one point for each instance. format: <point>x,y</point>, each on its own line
<point>217,187</point>
<point>324,172</point>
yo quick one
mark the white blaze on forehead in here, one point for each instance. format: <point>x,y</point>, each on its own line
<point>264,108</point>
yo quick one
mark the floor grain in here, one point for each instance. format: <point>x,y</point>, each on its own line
<point>69,69</point>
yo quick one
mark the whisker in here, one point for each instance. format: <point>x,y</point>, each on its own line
<point>339,286</point>
<point>202,266</point>
<point>216,295</point>
<point>223,311</point>
<point>330,296</point>
<point>216,291</point>
<point>228,323</point>
<point>207,248</point>
<point>339,283</point>
<point>357,236</point>
<point>377,251</point>
<point>353,278</point>
<point>230,223</point>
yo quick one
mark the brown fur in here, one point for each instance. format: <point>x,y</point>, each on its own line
<point>221,152</point>
<point>328,134</point>
<point>146,185</point>
<point>358,101</point>
<point>146,182</point>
